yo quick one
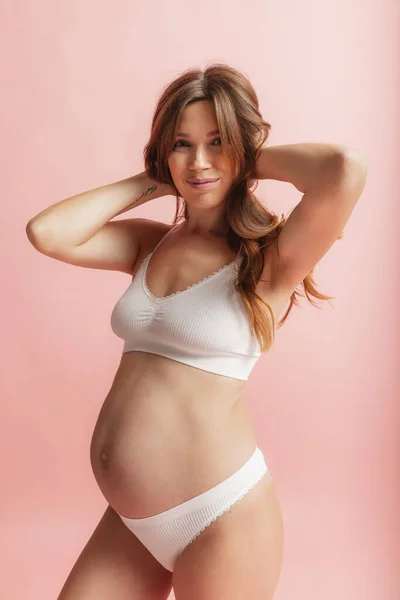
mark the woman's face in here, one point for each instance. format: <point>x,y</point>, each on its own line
<point>198,154</point>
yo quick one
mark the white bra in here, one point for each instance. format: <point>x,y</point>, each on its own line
<point>204,326</point>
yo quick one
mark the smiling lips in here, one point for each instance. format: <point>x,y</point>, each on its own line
<point>202,184</point>
<point>197,180</point>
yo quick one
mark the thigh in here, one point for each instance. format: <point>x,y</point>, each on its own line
<point>115,564</point>
<point>239,555</point>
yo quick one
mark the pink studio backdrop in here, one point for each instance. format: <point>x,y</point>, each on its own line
<point>80,81</point>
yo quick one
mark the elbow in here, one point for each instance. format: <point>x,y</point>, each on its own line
<point>352,168</point>
<point>352,159</point>
<point>35,234</point>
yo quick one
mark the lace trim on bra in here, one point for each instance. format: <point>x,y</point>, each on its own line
<point>146,262</point>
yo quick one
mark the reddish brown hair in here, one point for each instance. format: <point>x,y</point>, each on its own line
<point>252,226</point>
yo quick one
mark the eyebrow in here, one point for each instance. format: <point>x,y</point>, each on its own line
<point>186,135</point>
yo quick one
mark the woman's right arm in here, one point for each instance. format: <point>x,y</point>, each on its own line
<point>79,231</point>
<point>74,221</point>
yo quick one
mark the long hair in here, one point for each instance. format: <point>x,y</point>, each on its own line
<point>243,132</point>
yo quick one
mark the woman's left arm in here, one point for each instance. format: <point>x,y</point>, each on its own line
<point>332,179</point>
<point>303,165</point>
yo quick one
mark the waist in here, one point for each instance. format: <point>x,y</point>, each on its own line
<point>151,373</point>
<point>153,397</point>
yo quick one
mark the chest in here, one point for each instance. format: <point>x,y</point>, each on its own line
<point>173,270</point>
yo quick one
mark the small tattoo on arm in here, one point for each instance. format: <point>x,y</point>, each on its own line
<point>149,191</point>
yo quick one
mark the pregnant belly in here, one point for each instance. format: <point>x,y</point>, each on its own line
<point>152,450</point>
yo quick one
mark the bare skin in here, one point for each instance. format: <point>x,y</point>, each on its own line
<point>167,432</point>
<point>180,418</point>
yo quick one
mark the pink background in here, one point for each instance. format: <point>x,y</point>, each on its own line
<point>80,81</point>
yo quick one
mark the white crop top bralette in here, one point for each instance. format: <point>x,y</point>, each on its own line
<point>205,325</point>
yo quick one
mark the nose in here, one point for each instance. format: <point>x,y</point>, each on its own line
<point>199,158</point>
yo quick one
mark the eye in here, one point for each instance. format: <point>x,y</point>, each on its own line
<point>187,143</point>
<point>179,142</point>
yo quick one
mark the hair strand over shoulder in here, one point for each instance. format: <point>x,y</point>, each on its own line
<point>252,227</point>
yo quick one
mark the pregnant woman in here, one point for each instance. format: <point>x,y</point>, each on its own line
<point>191,502</point>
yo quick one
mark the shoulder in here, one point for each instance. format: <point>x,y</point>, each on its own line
<point>151,232</point>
